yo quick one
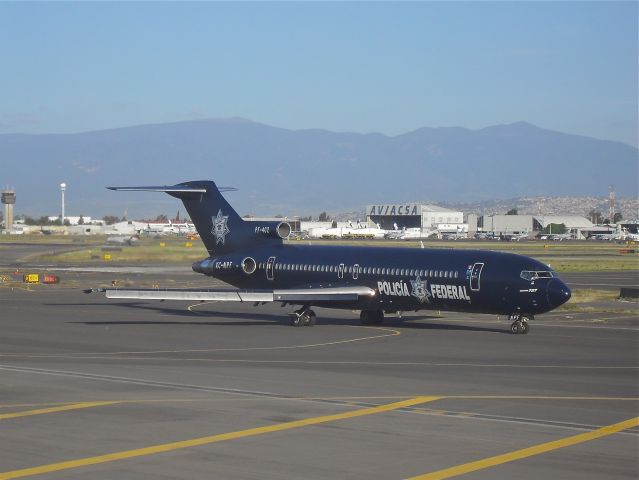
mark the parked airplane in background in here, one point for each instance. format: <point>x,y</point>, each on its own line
<point>122,240</point>
<point>169,228</point>
<point>376,280</point>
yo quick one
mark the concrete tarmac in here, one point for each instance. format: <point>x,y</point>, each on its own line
<point>602,280</point>
<point>103,389</point>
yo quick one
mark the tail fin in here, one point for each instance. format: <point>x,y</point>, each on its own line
<point>220,227</point>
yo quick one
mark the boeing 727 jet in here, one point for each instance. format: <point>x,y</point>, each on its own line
<point>252,257</point>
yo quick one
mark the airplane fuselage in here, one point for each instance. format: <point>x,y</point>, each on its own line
<point>403,279</point>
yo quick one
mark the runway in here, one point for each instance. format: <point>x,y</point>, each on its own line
<point>114,389</point>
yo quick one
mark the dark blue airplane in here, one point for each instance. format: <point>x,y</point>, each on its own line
<point>251,256</point>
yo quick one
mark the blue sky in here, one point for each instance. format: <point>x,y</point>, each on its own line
<point>362,67</point>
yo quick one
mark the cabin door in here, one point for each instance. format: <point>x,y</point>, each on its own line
<point>340,271</point>
<point>270,268</point>
<point>475,276</point>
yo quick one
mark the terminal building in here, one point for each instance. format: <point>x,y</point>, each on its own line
<point>413,215</point>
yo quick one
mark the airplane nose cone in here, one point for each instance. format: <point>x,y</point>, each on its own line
<point>558,293</point>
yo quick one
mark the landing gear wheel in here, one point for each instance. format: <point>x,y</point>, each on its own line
<point>516,327</point>
<point>371,317</point>
<point>309,318</point>
<point>524,328</point>
<point>303,318</point>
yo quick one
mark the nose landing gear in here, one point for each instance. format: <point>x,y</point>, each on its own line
<point>520,323</point>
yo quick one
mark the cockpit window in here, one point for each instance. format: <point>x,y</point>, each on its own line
<point>531,275</point>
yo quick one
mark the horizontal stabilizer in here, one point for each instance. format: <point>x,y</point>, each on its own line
<point>170,189</point>
<point>166,188</point>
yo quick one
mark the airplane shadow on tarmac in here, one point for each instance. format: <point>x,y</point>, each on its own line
<point>258,318</point>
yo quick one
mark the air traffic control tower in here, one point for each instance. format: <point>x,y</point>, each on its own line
<point>8,198</point>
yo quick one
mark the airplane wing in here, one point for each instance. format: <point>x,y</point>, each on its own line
<point>287,295</point>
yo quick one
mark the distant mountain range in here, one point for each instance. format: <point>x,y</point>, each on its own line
<point>300,172</point>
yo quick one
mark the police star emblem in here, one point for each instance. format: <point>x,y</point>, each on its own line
<point>419,290</point>
<point>220,228</point>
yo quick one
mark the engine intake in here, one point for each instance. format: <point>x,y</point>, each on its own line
<point>283,229</point>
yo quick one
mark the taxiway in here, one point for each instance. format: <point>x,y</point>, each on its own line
<point>106,389</point>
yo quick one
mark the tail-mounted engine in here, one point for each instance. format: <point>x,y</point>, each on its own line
<point>270,229</point>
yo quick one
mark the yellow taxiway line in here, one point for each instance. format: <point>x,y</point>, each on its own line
<point>62,408</point>
<point>527,452</point>
<point>166,447</point>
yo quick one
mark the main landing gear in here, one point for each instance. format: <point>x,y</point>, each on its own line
<point>520,323</point>
<point>304,317</point>
<point>372,317</point>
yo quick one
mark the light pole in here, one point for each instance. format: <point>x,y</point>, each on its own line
<point>63,187</point>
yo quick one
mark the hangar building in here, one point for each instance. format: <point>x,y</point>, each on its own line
<point>412,215</point>
<point>508,224</point>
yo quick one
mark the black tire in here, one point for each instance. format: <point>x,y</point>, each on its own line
<point>525,328</point>
<point>371,317</point>
<point>311,318</point>
<point>515,327</point>
<point>298,321</point>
